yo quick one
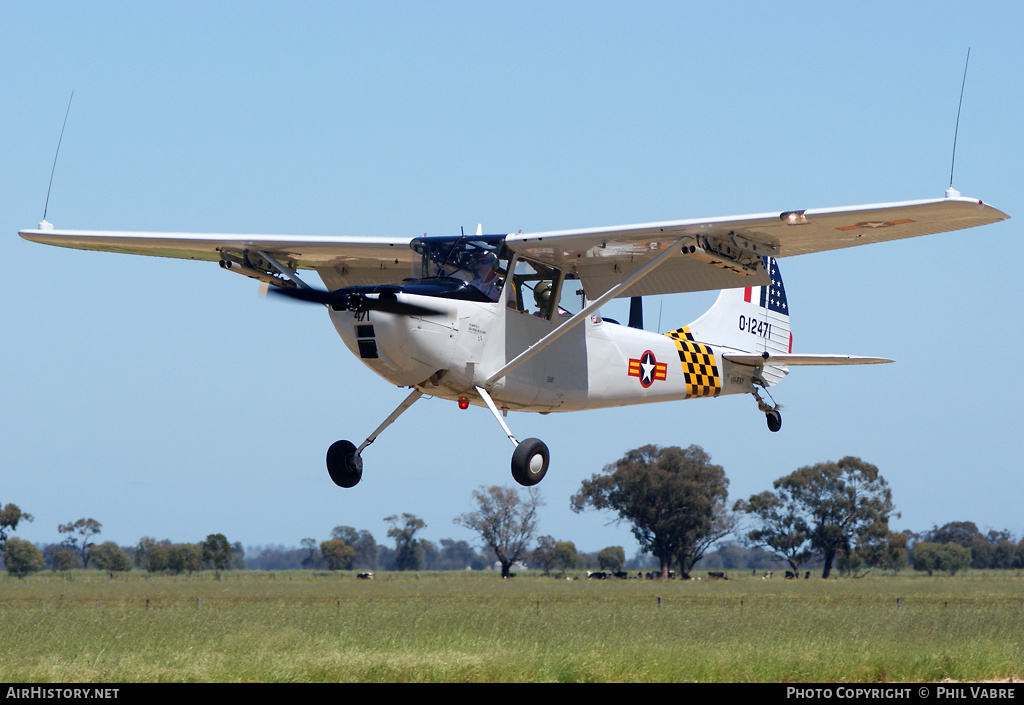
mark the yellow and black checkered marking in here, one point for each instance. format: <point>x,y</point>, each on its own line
<point>699,369</point>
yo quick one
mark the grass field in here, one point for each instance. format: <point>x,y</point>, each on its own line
<point>474,627</point>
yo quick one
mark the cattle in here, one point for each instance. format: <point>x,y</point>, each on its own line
<point>790,575</point>
<point>656,575</point>
<point>717,575</point>
<point>365,576</point>
<point>597,575</point>
<point>767,575</point>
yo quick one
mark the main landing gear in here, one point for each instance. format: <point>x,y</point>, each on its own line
<point>344,460</point>
<point>529,461</point>
<point>531,457</point>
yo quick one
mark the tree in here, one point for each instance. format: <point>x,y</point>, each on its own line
<point>216,551</point>
<point>964,533</point>
<point>506,519</point>
<point>237,556</point>
<point>403,530</point>
<point>990,550</point>
<point>63,560</point>
<point>10,516</point>
<point>828,508</point>
<point>184,558</point>
<point>86,529</point>
<point>362,541</point>
<point>612,558</point>
<point>457,555</point>
<point>150,555</point>
<point>22,558</point>
<point>673,498</point>
<point>543,556</point>
<point>894,557</point>
<point>310,561</point>
<point>566,555</point>
<point>109,557</point>
<point>782,528</point>
<point>948,557</point>
<point>337,555</point>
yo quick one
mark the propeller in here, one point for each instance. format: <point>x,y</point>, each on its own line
<point>351,299</point>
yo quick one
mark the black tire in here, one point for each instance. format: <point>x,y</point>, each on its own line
<point>344,466</point>
<point>774,421</point>
<point>530,462</point>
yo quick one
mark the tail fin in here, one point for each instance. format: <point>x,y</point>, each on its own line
<point>751,320</point>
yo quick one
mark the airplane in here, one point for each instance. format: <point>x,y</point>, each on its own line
<point>511,322</point>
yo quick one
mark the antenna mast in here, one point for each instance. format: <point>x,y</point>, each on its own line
<point>952,192</point>
<point>46,205</point>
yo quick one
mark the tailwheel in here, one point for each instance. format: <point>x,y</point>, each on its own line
<point>344,464</point>
<point>771,411</point>
<point>530,462</point>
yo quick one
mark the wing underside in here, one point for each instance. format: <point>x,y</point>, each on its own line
<point>720,253</point>
<point>729,250</point>
<point>340,261</point>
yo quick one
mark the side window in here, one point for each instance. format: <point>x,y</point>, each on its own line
<point>571,296</point>
<point>534,289</point>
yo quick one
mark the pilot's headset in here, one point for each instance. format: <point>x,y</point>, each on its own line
<point>542,295</point>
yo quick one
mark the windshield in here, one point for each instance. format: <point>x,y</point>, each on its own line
<point>471,259</point>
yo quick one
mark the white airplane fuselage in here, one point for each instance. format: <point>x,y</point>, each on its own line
<point>596,364</point>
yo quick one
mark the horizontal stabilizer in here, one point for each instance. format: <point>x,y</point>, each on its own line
<point>769,359</point>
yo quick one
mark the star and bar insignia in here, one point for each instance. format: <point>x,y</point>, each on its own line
<point>648,369</point>
<point>872,224</point>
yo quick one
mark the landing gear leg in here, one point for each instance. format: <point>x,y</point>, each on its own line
<point>771,413</point>
<point>344,460</point>
<point>531,457</point>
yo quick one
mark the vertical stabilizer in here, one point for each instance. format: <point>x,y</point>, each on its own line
<point>751,320</point>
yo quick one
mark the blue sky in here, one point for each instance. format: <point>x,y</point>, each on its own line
<point>167,399</point>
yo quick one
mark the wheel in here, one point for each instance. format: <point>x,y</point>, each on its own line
<point>774,420</point>
<point>345,467</point>
<point>530,462</point>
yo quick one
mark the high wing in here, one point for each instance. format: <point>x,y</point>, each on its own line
<point>721,253</point>
<point>728,251</point>
<point>339,260</point>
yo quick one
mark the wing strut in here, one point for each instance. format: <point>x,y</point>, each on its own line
<point>290,273</point>
<point>582,315</point>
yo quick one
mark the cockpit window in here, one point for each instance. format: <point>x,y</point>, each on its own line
<point>474,260</point>
<point>537,288</point>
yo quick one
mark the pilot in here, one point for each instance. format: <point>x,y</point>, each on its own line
<point>486,278</point>
<point>542,297</point>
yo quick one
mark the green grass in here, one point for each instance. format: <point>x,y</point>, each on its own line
<point>474,627</point>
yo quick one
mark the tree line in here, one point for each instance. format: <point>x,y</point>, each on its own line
<point>831,515</point>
